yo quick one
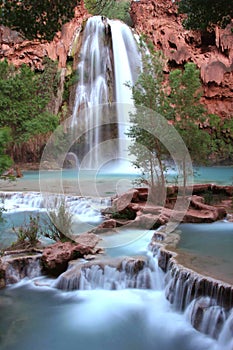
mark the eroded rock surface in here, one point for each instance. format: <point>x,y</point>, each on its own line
<point>213,53</point>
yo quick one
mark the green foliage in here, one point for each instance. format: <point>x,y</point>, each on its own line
<point>180,105</point>
<point>186,111</point>
<point>24,97</point>
<point>36,19</point>
<point>112,9</point>
<point>58,226</point>
<point>146,148</point>
<point>221,133</point>
<point>203,14</point>
<point>28,234</point>
<point>5,160</point>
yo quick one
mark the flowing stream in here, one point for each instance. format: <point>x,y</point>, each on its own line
<point>36,315</point>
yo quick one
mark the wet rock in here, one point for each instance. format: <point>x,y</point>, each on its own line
<point>55,258</point>
<point>18,265</point>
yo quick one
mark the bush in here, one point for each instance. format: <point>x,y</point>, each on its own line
<point>58,226</point>
<point>29,233</point>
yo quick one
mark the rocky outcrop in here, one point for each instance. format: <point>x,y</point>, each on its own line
<point>139,212</point>
<point>213,53</point>
<point>55,258</point>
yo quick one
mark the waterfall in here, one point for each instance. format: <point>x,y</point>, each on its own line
<point>108,60</point>
<point>18,267</point>
<point>206,316</point>
<point>110,275</point>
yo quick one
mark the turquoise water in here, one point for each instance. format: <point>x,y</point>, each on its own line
<point>211,245</point>
<point>217,174</point>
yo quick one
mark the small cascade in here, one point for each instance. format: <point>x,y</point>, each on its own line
<point>19,266</point>
<point>205,301</point>
<point>88,209</point>
<point>184,285</point>
<point>226,336</point>
<point>110,275</point>
<point>22,201</point>
<point>206,316</point>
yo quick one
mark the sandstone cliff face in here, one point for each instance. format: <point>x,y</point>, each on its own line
<point>18,51</point>
<point>160,21</point>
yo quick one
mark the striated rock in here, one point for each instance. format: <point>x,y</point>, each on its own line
<point>213,54</point>
<point>55,258</point>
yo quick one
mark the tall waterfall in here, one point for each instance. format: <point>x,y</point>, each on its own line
<point>109,59</point>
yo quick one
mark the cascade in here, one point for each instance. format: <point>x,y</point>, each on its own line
<point>109,59</point>
<point>126,273</point>
<point>86,208</point>
<point>206,316</point>
<point>17,267</point>
<point>184,285</point>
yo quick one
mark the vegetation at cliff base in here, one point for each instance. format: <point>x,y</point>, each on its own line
<point>36,19</point>
<point>177,99</point>
<point>24,99</point>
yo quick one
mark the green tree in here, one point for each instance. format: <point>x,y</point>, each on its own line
<point>221,134</point>
<point>202,14</point>
<point>180,104</point>
<point>36,19</point>
<point>5,160</point>
<point>148,151</point>
<point>186,111</point>
<point>110,8</point>
<point>24,97</point>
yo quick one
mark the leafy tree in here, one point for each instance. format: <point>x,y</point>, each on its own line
<point>110,8</point>
<point>180,105</point>
<point>36,19</point>
<point>24,97</point>
<point>5,160</point>
<point>202,14</point>
<point>146,148</point>
<point>186,111</point>
<point>221,133</point>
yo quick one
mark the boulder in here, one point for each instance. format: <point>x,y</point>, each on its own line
<point>122,201</point>
<point>55,258</point>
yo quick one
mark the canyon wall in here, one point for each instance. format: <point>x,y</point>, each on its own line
<point>160,21</point>
<point>19,51</point>
<point>213,52</point>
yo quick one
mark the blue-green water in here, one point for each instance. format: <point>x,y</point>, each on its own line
<point>210,247</point>
<point>216,174</point>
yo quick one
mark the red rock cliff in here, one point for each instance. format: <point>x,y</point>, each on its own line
<point>213,54</point>
<point>19,51</point>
